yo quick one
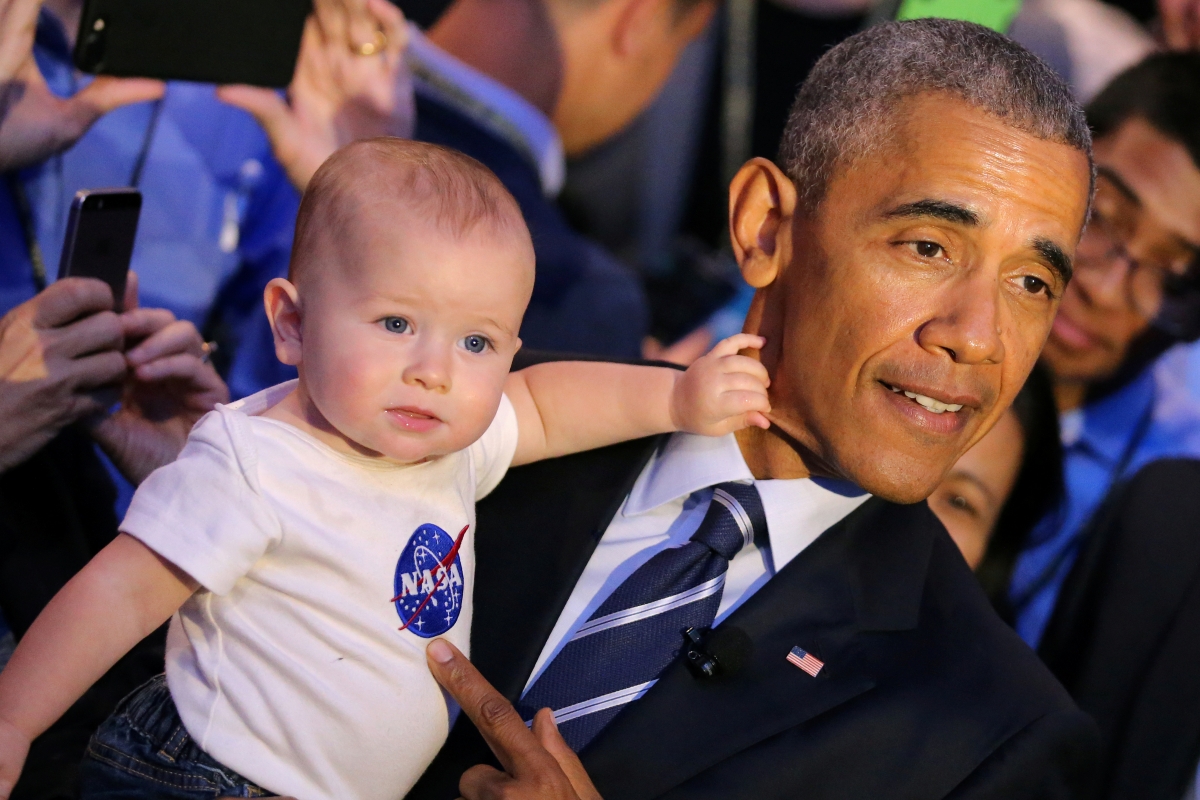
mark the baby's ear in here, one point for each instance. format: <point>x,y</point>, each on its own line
<point>282,302</point>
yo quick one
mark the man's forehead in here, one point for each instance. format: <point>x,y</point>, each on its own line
<point>945,152</point>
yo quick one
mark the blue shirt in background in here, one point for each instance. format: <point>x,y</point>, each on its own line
<point>217,215</point>
<point>1155,416</point>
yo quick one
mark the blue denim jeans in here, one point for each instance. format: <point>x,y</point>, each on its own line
<point>143,751</point>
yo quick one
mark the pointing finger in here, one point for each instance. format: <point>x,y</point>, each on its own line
<point>502,728</point>
<point>547,733</point>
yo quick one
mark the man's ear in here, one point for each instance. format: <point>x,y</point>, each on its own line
<point>762,202</point>
<point>282,302</point>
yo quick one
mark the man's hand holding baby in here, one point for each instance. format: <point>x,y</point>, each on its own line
<point>723,391</point>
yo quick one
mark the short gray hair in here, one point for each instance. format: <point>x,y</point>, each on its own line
<point>845,109</point>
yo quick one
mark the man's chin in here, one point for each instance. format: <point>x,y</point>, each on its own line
<point>898,478</point>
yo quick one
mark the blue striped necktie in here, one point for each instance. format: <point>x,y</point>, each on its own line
<point>618,654</point>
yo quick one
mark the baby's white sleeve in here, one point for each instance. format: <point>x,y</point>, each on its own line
<point>493,453</point>
<point>204,512</point>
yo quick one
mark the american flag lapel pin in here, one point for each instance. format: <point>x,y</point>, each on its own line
<point>805,661</point>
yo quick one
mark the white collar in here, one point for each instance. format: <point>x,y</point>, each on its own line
<point>687,464</point>
<point>537,132</point>
<point>797,510</point>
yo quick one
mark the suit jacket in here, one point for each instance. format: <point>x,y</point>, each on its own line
<point>584,300</point>
<point>1125,634</point>
<point>925,693</point>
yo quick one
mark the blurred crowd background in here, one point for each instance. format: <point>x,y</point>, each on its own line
<point>1080,511</point>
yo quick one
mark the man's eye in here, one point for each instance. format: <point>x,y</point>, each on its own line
<point>928,249</point>
<point>1034,285</point>
<point>475,343</point>
<point>395,324</point>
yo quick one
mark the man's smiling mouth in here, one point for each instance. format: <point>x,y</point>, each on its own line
<point>926,402</point>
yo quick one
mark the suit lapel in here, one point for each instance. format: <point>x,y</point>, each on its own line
<point>533,543</point>
<point>864,574</point>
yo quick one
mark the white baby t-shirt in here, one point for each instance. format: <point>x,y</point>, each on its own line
<point>289,665</point>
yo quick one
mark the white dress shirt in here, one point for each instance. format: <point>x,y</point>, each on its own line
<point>666,506</point>
<point>511,116</point>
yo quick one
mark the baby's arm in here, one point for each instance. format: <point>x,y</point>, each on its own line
<point>570,406</point>
<point>118,599</point>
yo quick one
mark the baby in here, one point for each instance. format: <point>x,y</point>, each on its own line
<point>312,537</point>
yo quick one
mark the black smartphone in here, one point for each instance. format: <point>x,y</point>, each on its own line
<point>210,41</point>
<point>100,234</point>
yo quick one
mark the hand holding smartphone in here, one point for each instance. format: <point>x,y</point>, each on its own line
<point>210,41</point>
<point>101,230</point>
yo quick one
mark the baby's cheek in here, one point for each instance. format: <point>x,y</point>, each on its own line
<point>474,408</point>
<point>356,387</point>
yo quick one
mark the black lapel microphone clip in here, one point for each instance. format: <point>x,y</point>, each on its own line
<point>719,653</point>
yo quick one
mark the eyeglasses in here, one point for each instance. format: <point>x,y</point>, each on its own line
<point>1119,227</point>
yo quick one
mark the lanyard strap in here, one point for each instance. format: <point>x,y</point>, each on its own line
<point>24,209</point>
<point>29,229</point>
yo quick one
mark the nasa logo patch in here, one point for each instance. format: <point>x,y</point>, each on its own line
<point>429,582</point>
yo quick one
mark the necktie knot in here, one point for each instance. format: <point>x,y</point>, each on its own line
<point>733,519</point>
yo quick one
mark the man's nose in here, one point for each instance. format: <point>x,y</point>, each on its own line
<point>429,367</point>
<point>967,328</point>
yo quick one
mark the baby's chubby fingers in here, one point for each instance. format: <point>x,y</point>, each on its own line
<point>723,391</point>
<point>743,408</point>
<point>735,344</point>
<point>744,365</point>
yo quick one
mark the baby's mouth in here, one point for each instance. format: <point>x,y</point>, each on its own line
<point>413,418</point>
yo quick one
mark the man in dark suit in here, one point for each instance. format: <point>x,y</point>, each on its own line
<point>908,259</point>
<point>1125,637</point>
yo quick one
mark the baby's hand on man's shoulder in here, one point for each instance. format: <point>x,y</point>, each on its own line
<point>723,392</point>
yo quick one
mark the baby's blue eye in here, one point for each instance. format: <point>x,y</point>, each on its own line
<point>475,343</point>
<point>395,324</point>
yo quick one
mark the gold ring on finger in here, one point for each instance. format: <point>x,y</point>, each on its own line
<point>371,48</point>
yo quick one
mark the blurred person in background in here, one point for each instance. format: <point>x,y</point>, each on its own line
<point>216,221</point>
<point>1134,296</point>
<point>519,84</point>
<point>1000,488</point>
<point>72,372</point>
<point>1106,586</point>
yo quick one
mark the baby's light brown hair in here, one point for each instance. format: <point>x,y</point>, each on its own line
<point>455,191</point>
